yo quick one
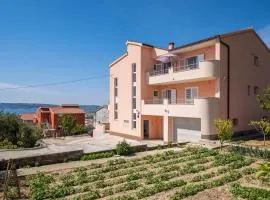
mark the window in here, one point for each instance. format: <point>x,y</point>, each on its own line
<point>256,61</point>
<point>115,87</point>
<point>133,95</point>
<point>155,93</point>
<point>115,98</point>
<point>248,90</point>
<point>134,68</point>
<point>256,90</point>
<point>192,62</point>
<point>133,72</point>
<point>235,121</point>
<point>134,91</point>
<point>134,103</point>
<point>191,93</point>
<point>134,124</point>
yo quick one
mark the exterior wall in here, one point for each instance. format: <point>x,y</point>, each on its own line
<point>205,89</point>
<point>123,72</point>
<point>155,126</point>
<point>143,56</point>
<point>244,107</point>
<point>209,53</point>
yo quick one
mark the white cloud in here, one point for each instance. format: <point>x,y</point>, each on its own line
<point>265,34</point>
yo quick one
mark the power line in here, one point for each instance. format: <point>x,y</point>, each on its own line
<point>55,83</point>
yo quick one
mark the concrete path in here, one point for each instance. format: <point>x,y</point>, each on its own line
<point>99,142</point>
<point>77,164</point>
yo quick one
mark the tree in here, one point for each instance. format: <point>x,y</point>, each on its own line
<point>14,132</point>
<point>264,99</point>
<point>262,126</point>
<point>68,123</point>
<point>224,130</point>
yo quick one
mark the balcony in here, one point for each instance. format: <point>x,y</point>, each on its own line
<point>201,71</point>
<point>193,108</point>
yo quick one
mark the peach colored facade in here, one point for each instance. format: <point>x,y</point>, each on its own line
<point>172,93</point>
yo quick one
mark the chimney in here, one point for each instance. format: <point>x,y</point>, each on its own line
<point>171,46</point>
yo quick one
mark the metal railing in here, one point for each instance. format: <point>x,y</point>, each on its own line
<point>180,68</point>
<point>170,101</point>
<point>181,101</point>
<point>159,72</point>
<point>153,101</point>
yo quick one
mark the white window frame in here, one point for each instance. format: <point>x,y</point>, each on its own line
<point>197,88</point>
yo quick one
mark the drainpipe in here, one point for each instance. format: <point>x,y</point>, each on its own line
<point>228,76</point>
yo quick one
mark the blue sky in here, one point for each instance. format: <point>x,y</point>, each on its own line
<point>60,40</point>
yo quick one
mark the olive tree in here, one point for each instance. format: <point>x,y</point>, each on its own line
<point>264,99</point>
<point>224,130</point>
<point>262,126</point>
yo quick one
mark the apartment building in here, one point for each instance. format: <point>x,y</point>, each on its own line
<point>175,94</point>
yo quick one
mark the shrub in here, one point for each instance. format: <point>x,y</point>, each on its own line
<point>123,148</point>
<point>15,133</point>
<point>262,153</point>
<point>224,130</point>
<point>98,155</point>
<point>81,129</point>
<point>264,172</point>
<point>39,186</point>
<point>249,193</point>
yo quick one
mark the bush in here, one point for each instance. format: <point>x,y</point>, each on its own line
<point>224,130</point>
<point>15,133</point>
<point>123,148</point>
<point>98,155</point>
<point>81,129</point>
<point>250,151</point>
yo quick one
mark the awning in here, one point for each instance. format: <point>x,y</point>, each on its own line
<point>168,57</point>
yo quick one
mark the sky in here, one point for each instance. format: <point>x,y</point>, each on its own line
<point>61,40</point>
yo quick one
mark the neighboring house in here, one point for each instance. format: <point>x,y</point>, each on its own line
<point>28,117</point>
<point>102,115</point>
<point>176,93</point>
<point>102,119</point>
<point>50,117</point>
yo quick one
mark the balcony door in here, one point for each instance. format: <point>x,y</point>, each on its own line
<point>169,94</point>
<point>191,93</point>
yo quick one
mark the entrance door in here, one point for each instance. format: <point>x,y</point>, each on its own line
<point>146,128</point>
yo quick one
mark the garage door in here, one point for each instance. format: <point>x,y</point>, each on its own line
<point>186,129</point>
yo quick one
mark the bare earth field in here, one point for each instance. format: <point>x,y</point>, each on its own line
<point>192,173</point>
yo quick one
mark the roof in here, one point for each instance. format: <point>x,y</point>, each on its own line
<point>28,116</point>
<point>224,35</point>
<point>145,44</point>
<point>105,107</point>
<point>66,110</point>
<point>136,43</point>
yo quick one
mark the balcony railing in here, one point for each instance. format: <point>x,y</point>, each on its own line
<point>159,72</point>
<point>180,68</point>
<point>153,101</point>
<point>170,101</point>
<point>198,71</point>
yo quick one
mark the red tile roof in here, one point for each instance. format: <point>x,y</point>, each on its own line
<point>67,110</point>
<point>28,116</point>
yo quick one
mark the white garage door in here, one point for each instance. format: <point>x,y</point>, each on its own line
<point>186,129</point>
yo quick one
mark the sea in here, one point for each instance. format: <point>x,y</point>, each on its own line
<point>19,108</point>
